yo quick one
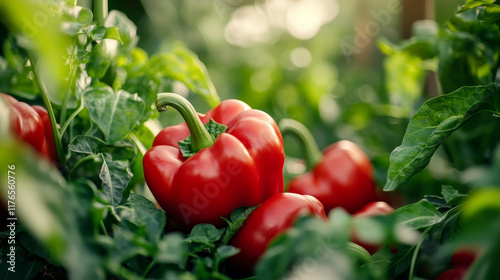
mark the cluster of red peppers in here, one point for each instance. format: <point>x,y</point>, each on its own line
<point>233,156</point>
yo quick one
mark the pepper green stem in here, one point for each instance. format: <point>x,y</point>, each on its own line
<point>313,154</point>
<point>100,11</point>
<point>200,137</point>
<point>359,252</point>
<point>48,105</point>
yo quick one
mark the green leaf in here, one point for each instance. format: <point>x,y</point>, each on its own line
<point>225,252</point>
<point>452,196</point>
<point>205,234</point>
<point>470,4</point>
<point>147,87</point>
<point>237,218</point>
<point>116,114</point>
<point>143,213</point>
<point>126,28</point>
<point>436,119</point>
<point>183,65</point>
<point>31,264</point>
<point>88,145</point>
<point>46,207</point>
<point>106,33</point>
<point>102,57</point>
<point>172,249</point>
<point>418,215</point>
<point>115,176</point>
<point>214,128</point>
<point>489,14</point>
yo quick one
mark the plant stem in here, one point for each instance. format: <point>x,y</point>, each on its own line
<point>200,137</point>
<point>150,266</point>
<point>68,121</point>
<point>313,154</point>
<point>415,254</point>
<point>100,11</point>
<point>360,252</point>
<point>48,105</point>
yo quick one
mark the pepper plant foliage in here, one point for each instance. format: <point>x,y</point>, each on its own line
<point>91,216</point>
<point>468,61</point>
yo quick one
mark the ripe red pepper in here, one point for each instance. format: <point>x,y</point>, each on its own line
<point>243,166</point>
<point>341,176</point>
<point>32,125</point>
<point>461,259</point>
<point>271,218</point>
<point>372,209</point>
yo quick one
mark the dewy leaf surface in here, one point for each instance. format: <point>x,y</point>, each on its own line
<point>436,119</point>
<point>116,114</point>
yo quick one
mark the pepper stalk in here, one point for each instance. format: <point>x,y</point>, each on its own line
<point>292,127</point>
<point>200,137</point>
<point>48,105</point>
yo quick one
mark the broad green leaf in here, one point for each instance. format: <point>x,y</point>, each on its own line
<point>115,176</point>
<point>116,113</point>
<point>224,252</point>
<point>452,195</point>
<point>126,28</point>
<point>470,4</point>
<point>183,65</point>
<point>418,215</point>
<point>172,249</point>
<point>106,33</point>
<point>102,57</point>
<point>88,145</point>
<point>436,119</point>
<point>204,234</point>
<point>143,213</point>
<point>31,264</point>
<point>127,245</point>
<point>46,42</point>
<point>489,14</point>
<point>46,208</point>
<point>147,86</point>
<point>74,19</point>
<point>238,217</point>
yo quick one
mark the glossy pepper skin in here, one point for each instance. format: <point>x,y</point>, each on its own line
<point>372,209</point>
<point>32,125</point>
<point>242,167</point>
<point>272,217</point>
<point>340,176</point>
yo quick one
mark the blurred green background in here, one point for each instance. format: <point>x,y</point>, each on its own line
<point>316,61</point>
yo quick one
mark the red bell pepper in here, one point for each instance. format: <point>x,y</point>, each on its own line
<point>341,176</point>
<point>32,125</point>
<point>372,209</point>
<point>271,218</point>
<point>242,166</point>
<point>461,259</point>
